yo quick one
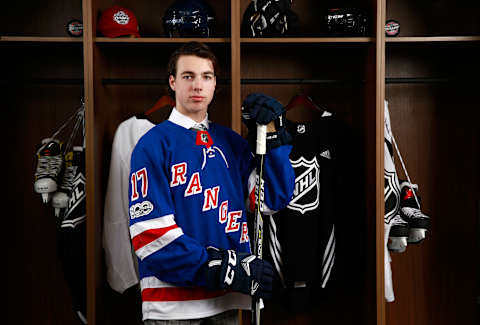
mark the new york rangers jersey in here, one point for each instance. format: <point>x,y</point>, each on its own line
<point>188,190</point>
<point>120,259</point>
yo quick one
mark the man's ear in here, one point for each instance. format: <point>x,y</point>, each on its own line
<point>171,82</point>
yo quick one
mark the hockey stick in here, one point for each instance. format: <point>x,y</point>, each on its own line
<point>258,222</point>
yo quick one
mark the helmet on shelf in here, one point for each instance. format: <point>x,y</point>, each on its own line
<point>269,19</point>
<point>189,18</point>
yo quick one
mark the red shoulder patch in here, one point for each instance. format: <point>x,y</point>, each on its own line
<point>204,139</point>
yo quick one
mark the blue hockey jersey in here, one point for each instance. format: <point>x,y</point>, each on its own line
<point>189,190</point>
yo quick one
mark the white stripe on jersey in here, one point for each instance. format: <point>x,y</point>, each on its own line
<point>328,258</point>
<point>181,309</point>
<point>159,243</point>
<point>276,250</point>
<point>325,280</point>
<point>160,222</point>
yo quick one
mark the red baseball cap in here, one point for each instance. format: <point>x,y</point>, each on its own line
<point>118,21</point>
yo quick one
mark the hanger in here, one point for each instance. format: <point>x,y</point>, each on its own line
<point>302,100</point>
<point>163,101</point>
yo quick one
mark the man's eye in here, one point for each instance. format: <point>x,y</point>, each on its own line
<point>208,77</point>
<point>187,77</point>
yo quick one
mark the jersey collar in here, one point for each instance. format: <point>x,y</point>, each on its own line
<point>185,121</point>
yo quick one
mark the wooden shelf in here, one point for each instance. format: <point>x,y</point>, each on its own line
<point>287,40</point>
<point>427,39</point>
<point>40,39</point>
<point>159,40</point>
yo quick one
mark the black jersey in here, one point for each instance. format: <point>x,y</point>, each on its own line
<point>303,238</point>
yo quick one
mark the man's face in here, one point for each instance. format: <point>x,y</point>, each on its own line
<point>194,86</point>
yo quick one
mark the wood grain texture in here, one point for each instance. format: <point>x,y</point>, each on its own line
<point>379,161</point>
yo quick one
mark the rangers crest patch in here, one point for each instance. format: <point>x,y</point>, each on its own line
<point>307,186</point>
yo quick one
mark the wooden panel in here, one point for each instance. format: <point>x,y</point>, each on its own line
<point>435,126</point>
<point>34,18</point>
<point>429,39</point>
<point>160,40</point>
<point>93,209</point>
<point>345,64</point>
<point>309,40</point>
<point>235,67</point>
<point>379,161</point>
<point>39,39</point>
<point>149,61</point>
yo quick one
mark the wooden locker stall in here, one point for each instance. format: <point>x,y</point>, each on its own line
<point>129,76</point>
<point>432,90</point>
<point>40,92</point>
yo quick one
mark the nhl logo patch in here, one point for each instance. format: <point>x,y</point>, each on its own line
<point>203,139</point>
<point>307,186</point>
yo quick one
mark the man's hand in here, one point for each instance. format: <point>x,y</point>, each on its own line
<point>271,127</point>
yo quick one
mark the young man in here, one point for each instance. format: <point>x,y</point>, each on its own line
<point>189,183</point>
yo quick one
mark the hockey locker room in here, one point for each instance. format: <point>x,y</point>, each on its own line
<point>380,101</point>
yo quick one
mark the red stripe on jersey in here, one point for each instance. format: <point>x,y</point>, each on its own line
<point>148,236</point>
<point>252,200</point>
<point>179,294</point>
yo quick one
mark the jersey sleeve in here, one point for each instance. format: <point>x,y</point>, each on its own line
<point>279,180</point>
<point>162,248</point>
<point>120,263</point>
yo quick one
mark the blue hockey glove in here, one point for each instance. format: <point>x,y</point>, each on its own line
<point>241,272</point>
<point>261,109</point>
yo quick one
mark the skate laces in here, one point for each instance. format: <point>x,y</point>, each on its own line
<point>48,166</point>
<point>51,157</point>
<point>413,213</point>
<point>404,169</point>
<point>398,220</point>
<point>68,177</point>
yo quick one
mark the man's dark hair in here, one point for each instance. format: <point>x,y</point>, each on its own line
<point>191,48</point>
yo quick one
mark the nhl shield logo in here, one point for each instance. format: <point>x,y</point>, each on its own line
<point>391,195</point>
<point>307,185</point>
<point>203,139</point>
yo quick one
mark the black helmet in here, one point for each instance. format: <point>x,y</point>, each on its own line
<point>189,18</point>
<point>269,19</point>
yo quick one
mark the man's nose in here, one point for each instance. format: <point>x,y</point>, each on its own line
<point>197,84</point>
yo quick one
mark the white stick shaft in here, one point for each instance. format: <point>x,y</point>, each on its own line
<point>261,139</point>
